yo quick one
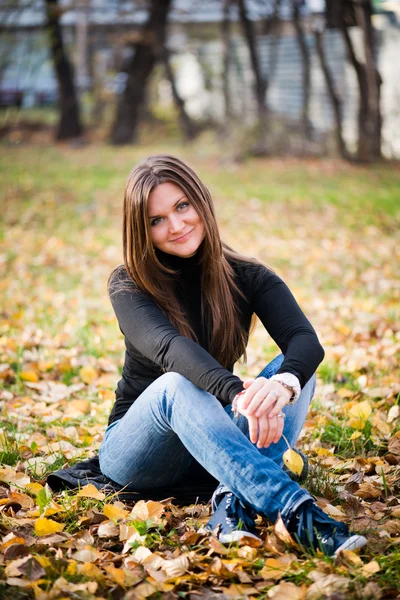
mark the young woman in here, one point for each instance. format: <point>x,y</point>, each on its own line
<point>185,304</point>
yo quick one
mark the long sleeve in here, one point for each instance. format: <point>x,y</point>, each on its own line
<point>151,334</point>
<point>275,305</point>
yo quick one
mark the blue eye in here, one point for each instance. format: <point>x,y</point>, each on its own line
<point>182,205</point>
<point>155,222</point>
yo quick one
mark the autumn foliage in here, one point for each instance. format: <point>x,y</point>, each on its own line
<point>331,231</point>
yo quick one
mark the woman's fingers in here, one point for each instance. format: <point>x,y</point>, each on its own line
<point>253,428</point>
<point>267,430</point>
<point>277,408</point>
<point>267,404</point>
<point>279,431</point>
<point>262,395</point>
<point>252,388</point>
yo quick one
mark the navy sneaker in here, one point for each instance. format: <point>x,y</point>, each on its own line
<point>231,519</point>
<point>314,529</point>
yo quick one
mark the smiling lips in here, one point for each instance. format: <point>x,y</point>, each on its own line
<point>183,238</point>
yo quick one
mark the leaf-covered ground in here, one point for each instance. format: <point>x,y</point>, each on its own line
<point>332,232</point>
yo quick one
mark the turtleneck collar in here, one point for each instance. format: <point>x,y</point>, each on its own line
<point>178,263</point>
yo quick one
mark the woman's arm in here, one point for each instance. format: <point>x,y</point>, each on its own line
<point>282,317</point>
<point>151,333</point>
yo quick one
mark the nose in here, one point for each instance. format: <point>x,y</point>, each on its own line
<point>176,224</point>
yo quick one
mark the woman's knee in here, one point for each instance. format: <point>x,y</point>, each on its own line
<point>173,382</point>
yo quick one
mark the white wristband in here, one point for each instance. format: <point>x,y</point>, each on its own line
<point>290,382</point>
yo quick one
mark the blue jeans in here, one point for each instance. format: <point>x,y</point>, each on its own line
<point>174,421</point>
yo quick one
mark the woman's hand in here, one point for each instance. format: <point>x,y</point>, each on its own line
<point>262,405</point>
<point>264,396</point>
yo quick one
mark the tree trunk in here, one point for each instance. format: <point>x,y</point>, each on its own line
<point>261,82</point>
<point>306,60</point>
<point>369,81</point>
<point>335,99</point>
<point>69,125</point>
<point>226,59</point>
<point>363,12</point>
<point>139,68</point>
<point>188,127</point>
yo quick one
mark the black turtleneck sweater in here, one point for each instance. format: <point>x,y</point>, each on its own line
<point>154,346</point>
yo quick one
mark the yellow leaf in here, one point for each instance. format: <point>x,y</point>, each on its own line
<point>46,526</point>
<point>114,513</point>
<point>293,461</point>
<point>344,393</point>
<point>34,488</point>
<point>275,568</point>
<point>357,424</point>
<point>380,424</point>
<point>355,435</point>
<point>43,560</point>
<point>77,408</point>
<point>45,365</point>
<point>370,568</point>
<point>155,509</point>
<point>117,574</point>
<point>352,557</point>
<point>29,376</point>
<point>71,569</point>
<point>361,410</point>
<point>91,571</point>
<point>90,491</point>
<point>88,374</point>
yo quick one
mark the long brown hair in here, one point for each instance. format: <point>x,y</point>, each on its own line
<point>220,295</point>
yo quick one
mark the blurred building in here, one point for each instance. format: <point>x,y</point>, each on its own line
<point>99,33</point>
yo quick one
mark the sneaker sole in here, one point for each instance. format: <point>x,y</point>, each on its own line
<point>354,542</point>
<point>236,536</point>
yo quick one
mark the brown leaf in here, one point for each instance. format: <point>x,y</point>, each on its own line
<point>286,591</point>
<point>367,491</point>
<point>326,586</point>
<point>394,444</point>
<point>370,568</point>
<point>108,529</point>
<point>276,568</point>
<point>27,566</point>
<point>282,533</point>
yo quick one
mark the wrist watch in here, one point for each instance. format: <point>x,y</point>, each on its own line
<point>290,382</point>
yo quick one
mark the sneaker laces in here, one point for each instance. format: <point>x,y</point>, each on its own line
<point>238,514</point>
<point>313,528</point>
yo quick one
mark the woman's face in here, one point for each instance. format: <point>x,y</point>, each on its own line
<point>175,226</point>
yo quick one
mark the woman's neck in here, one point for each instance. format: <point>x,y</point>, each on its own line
<point>179,263</point>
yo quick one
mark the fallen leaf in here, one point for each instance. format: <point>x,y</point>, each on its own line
<point>361,410</point>
<point>327,586</point>
<point>275,568</point>
<point>286,591</point>
<point>370,568</point>
<point>29,376</point>
<point>45,526</point>
<point>88,374</point>
<point>114,513</point>
<point>108,529</point>
<point>90,491</point>
<point>293,461</point>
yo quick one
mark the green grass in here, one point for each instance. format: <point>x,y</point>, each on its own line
<point>327,227</point>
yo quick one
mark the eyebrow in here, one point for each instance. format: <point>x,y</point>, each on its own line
<point>177,202</point>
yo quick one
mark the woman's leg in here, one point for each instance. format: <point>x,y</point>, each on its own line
<point>174,420</point>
